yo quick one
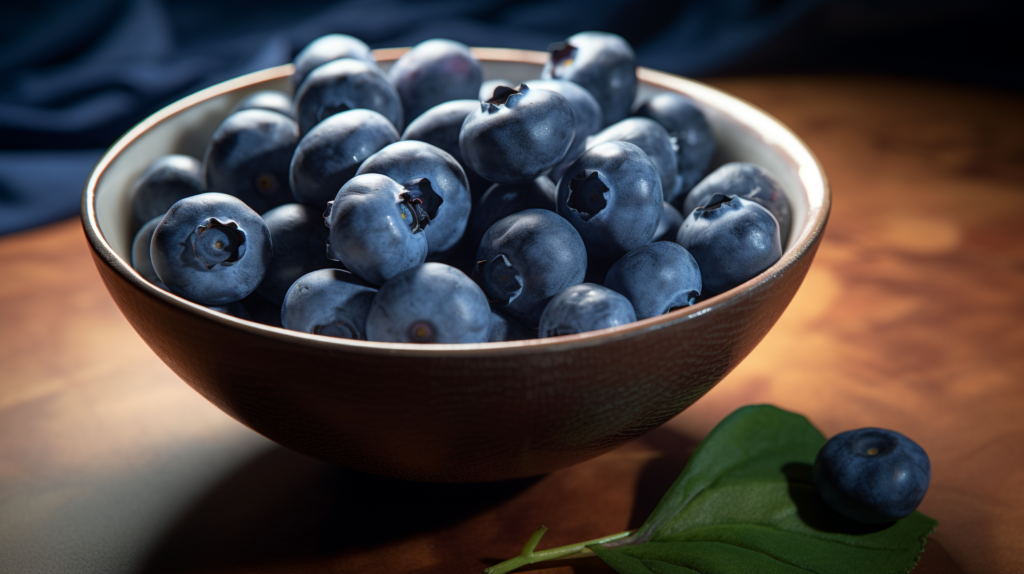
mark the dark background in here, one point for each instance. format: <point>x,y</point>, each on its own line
<point>75,75</point>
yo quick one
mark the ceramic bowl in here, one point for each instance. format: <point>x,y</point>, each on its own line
<point>453,413</point>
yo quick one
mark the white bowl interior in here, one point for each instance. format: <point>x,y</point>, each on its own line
<point>743,133</point>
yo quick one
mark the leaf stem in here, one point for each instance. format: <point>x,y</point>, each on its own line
<point>528,556</point>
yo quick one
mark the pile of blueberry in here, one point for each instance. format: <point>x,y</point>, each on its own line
<point>397,206</point>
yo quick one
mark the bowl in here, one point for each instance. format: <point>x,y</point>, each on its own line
<point>453,413</point>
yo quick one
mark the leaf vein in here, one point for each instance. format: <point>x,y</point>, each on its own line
<point>697,529</point>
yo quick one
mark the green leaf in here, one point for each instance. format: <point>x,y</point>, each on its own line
<point>746,502</point>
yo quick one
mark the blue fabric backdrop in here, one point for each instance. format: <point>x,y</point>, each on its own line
<point>75,75</point>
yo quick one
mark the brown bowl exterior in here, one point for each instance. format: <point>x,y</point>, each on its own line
<point>451,413</point>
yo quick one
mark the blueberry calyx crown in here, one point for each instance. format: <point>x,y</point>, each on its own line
<point>422,332</point>
<point>339,328</point>
<point>421,202</point>
<point>587,194</point>
<point>562,56</point>
<point>562,330</point>
<point>690,298</point>
<point>218,243</point>
<point>266,183</point>
<point>873,444</point>
<point>329,111</point>
<point>503,97</point>
<point>717,201</point>
<point>499,280</point>
<point>327,214</point>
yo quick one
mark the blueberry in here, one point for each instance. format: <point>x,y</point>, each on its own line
<point>235,309</point>
<point>273,100</point>
<point>748,181</point>
<point>299,237</point>
<point>505,329</point>
<point>487,88</point>
<point>585,110</point>
<point>526,259</point>
<point>440,127</point>
<point>649,136</point>
<point>211,249</point>
<point>377,226</point>
<point>168,179</point>
<point>249,156</point>
<point>656,278</point>
<point>612,195</point>
<point>406,161</point>
<point>434,72</point>
<point>345,84</point>
<point>668,225</point>
<point>695,144</point>
<point>502,200</point>
<point>518,134</point>
<point>331,153</point>
<point>602,63</point>
<point>585,307</point>
<point>732,239</point>
<point>872,475</point>
<point>429,303</point>
<point>140,252</point>
<point>326,49</point>
<point>328,302</point>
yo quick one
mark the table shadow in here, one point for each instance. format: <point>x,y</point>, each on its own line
<point>286,507</point>
<point>658,474</point>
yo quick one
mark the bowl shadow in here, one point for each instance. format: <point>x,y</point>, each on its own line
<point>284,507</point>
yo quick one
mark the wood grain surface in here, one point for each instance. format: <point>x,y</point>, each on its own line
<point>911,318</point>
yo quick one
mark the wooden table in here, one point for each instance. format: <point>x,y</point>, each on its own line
<point>912,318</point>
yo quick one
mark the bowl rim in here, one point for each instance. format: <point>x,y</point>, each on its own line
<point>806,238</point>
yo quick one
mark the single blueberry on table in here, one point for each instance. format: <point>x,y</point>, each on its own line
<point>211,249</point>
<point>141,261</point>
<point>429,303</point>
<point>602,63</point>
<point>440,126</point>
<point>649,136</point>
<point>872,475</point>
<point>748,181</point>
<point>612,196</point>
<point>668,225</point>
<point>376,225</point>
<point>582,308</point>
<point>526,259</point>
<point>656,278</point>
<point>299,237</point>
<point>406,161</point>
<point>273,100</point>
<point>249,157</point>
<point>506,329</point>
<point>733,240</point>
<point>327,49</point>
<point>168,179</point>
<point>695,144</point>
<point>434,72</point>
<point>503,200</point>
<point>346,84</point>
<point>328,302</point>
<point>518,134</point>
<point>331,153</point>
